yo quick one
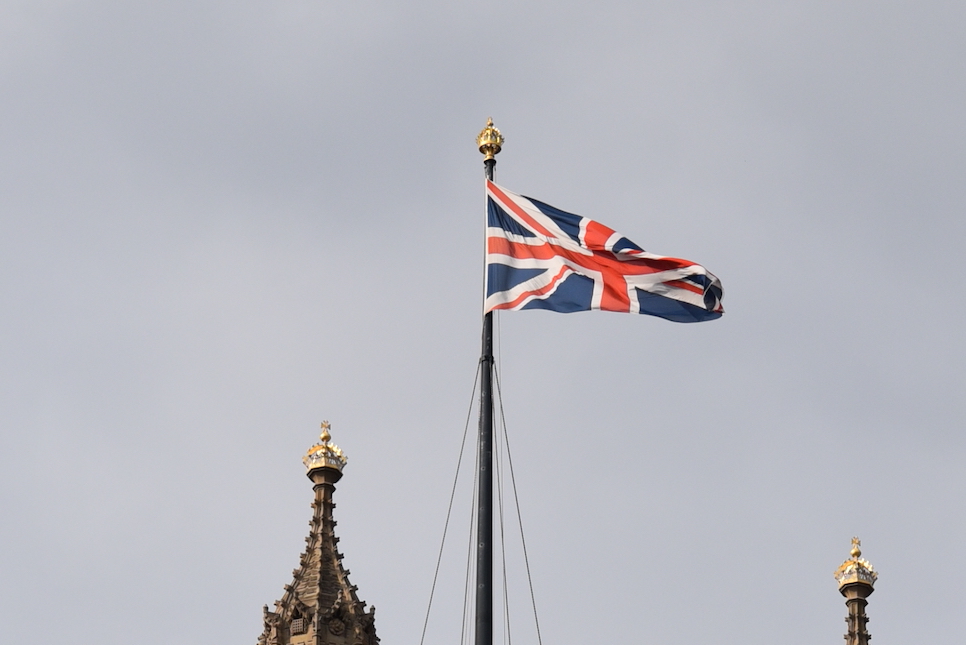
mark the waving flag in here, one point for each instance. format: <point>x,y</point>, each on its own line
<point>539,257</point>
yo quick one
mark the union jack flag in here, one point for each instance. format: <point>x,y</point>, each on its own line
<point>539,257</point>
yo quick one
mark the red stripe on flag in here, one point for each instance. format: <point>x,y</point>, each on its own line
<point>508,202</point>
<point>596,235</point>
<point>682,284</point>
<point>536,292</point>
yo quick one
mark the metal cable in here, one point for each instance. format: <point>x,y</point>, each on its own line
<point>499,495</point>
<point>507,636</point>
<point>516,500</point>
<point>469,581</point>
<point>449,509</point>
<point>500,483</point>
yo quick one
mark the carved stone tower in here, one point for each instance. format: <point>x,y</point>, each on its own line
<point>856,578</point>
<point>320,606</point>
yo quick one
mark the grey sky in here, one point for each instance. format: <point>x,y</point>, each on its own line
<point>222,222</point>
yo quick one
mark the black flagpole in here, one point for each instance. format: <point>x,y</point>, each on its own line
<point>490,142</point>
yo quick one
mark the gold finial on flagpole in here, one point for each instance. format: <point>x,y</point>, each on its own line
<point>490,140</point>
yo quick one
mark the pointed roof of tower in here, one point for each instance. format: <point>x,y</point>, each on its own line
<point>320,605</point>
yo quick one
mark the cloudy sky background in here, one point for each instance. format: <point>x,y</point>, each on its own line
<point>222,222</point>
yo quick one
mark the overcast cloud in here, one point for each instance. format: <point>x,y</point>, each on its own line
<point>222,222</point>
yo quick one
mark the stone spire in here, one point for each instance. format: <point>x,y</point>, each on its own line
<point>856,578</point>
<point>320,606</point>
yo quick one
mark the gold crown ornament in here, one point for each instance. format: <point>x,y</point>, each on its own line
<point>490,141</point>
<point>855,569</point>
<point>324,454</point>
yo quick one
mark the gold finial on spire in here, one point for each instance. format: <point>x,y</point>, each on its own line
<point>855,569</point>
<point>325,454</point>
<point>490,141</point>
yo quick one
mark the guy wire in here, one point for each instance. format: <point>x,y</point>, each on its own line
<point>469,584</point>
<point>449,509</point>
<point>516,500</point>
<point>499,495</point>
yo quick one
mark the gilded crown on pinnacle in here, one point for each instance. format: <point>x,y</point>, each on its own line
<point>856,570</point>
<point>325,454</point>
<point>490,141</point>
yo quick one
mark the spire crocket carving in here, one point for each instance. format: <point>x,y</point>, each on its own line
<point>320,606</point>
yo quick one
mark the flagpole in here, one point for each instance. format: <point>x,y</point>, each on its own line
<point>490,141</point>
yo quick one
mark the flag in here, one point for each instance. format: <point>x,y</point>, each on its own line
<point>539,257</point>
